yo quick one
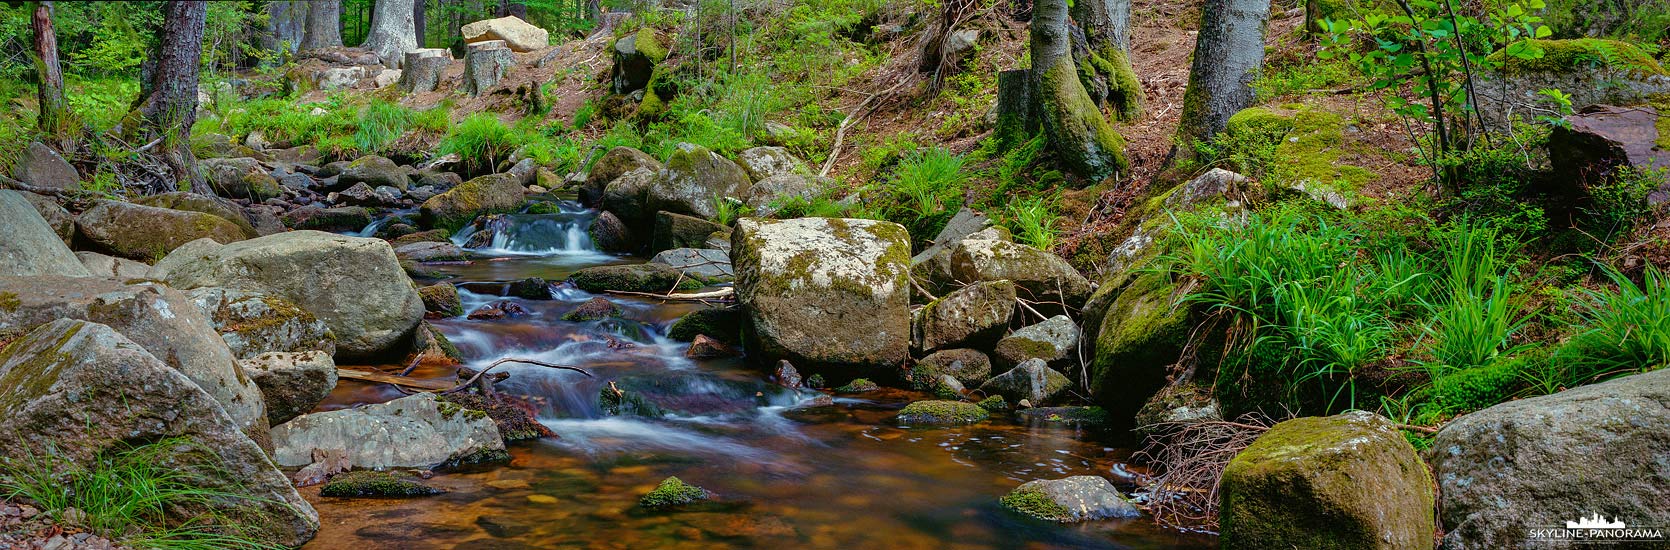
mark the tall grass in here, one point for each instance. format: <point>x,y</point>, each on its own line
<point>1477,316</point>
<point>481,141</point>
<point>1033,221</point>
<point>1625,330</point>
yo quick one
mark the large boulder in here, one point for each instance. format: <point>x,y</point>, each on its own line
<point>1543,461</point>
<point>1053,340</point>
<point>1138,337</point>
<point>765,162</point>
<point>490,194</point>
<point>973,316</point>
<point>240,178</point>
<point>681,231</point>
<point>1041,277</point>
<point>355,285</point>
<point>148,233</point>
<point>1595,143</point>
<point>1349,481</point>
<point>60,220</point>
<point>613,164</point>
<point>635,57</point>
<point>373,171</point>
<point>160,319</point>
<point>824,293</point>
<point>253,323</point>
<point>627,196</point>
<point>1033,381</point>
<point>80,391</point>
<point>292,383</point>
<point>30,246</point>
<point>193,202</point>
<point>410,432</point>
<point>111,267</point>
<point>40,166</point>
<point>516,33</point>
<point>336,220</point>
<point>694,178</point>
<point>706,264</point>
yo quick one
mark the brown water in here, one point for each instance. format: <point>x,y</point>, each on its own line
<point>783,474</point>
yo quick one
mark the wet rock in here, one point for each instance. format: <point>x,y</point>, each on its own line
<point>490,194</point>
<point>656,278</point>
<point>1030,381</point>
<point>765,162</point>
<point>430,236</point>
<point>432,251</point>
<point>1039,275</point>
<point>501,309</point>
<point>786,376</point>
<point>148,233</point>
<point>531,288</point>
<point>161,320</point>
<point>517,418</point>
<point>855,271</point>
<point>516,33</point>
<point>628,197</point>
<point>858,385</point>
<point>721,323</point>
<point>693,179</point>
<point>707,348</point>
<point>410,432</point>
<point>707,265</point>
<point>192,202</point>
<point>240,178</point>
<point>1072,417</point>
<point>441,301</point>
<point>672,492</point>
<point>432,347</point>
<point>1070,499</point>
<point>59,219</point>
<point>1542,461</point>
<point>1345,481</point>
<point>941,413</point>
<point>592,310</point>
<point>340,219</point>
<point>680,231</point>
<point>368,483</point>
<point>292,383</point>
<point>110,267</point>
<point>609,234</point>
<point>612,165</point>
<point>30,246</point>
<point>373,171</point>
<point>973,316</point>
<point>969,366</point>
<point>75,387</point>
<point>505,526</point>
<point>254,323</point>
<point>40,166</point>
<point>355,286</point>
<point>1053,340</point>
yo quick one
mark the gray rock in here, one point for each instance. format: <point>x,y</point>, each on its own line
<point>40,166</point>
<point>932,266</point>
<point>681,231</point>
<point>1214,184</point>
<point>160,319</point>
<point>1542,461</point>
<point>240,178</point>
<point>1053,340</point>
<point>969,366</point>
<point>613,164</point>
<point>517,34</point>
<point>632,278</point>
<point>431,251</point>
<point>337,219</point>
<point>265,219</point>
<point>61,221</point>
<point>1040,276</point>
<point>768,194</point>
<point>1033,381</point>
<point>31,247</point>
<point>254,323</point>
<point>627,196</point>
<point>110,267</point>
<point>356,286</point>
<point>693,179</point>
<point>634,62</point>
<point>82,390</point>
<point>148,233</point>
<point>292,383</point>
<point>713,265</point>
<point>1075,499</point>
<point>410,432</point>
<point>973,316</point>
<point>824,292</point>
<point>490,194</point>
<point>192,202</point>
<point>766,162</point>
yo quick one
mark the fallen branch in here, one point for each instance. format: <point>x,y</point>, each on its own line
<point>10,183</point>
<point>472,380</point>
<point>723,293</point>
<point>841,131</point>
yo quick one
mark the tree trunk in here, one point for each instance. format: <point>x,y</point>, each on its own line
<point>393,32</point>
<point>49,77</point>
<point>418,23</point>
<point>286,24</point>
<point>1107,27</point>
<point>1228,53</point>
<point>170,109</point>
<point>324,25</point>
<point>1087,145</point>
<point>513,7</point>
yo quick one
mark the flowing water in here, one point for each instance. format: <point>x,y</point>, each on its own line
<point>784,473</point>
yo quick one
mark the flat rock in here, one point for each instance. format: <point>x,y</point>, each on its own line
<point>410,432</point>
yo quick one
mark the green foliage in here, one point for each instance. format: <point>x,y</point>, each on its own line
<point>1303,77</point>
<point>381,123</point>
<point>1476,315</point>
<point>1625,330</point>
<point>127,494</point>
<point>672,492</point>
<point>728,209</point>
<point>481,140</point>
<point>925,190</point>
<point>1620,201</point>
<point>1033,221</point>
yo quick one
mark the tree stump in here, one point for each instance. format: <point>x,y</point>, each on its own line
<point>484,64</point>
<point>423,70</point>
<point>1016,122</point>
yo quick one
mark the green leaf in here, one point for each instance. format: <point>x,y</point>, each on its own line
<point>1544,32</point>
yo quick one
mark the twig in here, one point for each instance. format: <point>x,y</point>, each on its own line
<point>841,131</point>
<point>694,296</point>
<point>471,381</point>
<point>20,186</point>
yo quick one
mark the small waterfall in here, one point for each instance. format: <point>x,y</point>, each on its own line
<point>564,232</point>
<point>377,224</point>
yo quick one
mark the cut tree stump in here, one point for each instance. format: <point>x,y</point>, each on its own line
<point>484,64</point>
<point>423,70</point>
<point>1016,121</point>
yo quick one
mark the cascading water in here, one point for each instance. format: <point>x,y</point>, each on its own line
<point>561,232</point>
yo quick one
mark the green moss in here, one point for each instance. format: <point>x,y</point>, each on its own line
<point>9,302</point>
<point>723,324</point>
<point>367,483</point>
<point>516,419</point>
<point>1037,504</point>
<point>858,385</point>
<point>1088,146</point>
<point>484,456</point>
<point>1584,54</point>
<point>615,402</point>
<point>994,403</point>
<point>946,392</point>
<point>1141,335</point>
<point>815,381</point>
<point>942,412</point>
<point>672,492</point>
<point>1662,103</point>
<point>1124,89</point>
<point>650,45</point>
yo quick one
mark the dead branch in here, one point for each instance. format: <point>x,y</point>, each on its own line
<point>721,294</point>
<point>857,114</point>
<point>10,183</point>
<point>1187,460</point>
<point>472,380</point>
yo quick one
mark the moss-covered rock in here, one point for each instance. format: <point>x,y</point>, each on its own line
<point>592,310</point>
<point>334,220</point>
<point>1346,481</point>
<point>240,178</point>
<point>1177,403</point>
<point>973,316</point>
<point>994,403</point>
<point>681,231</point>
<point>1142,333</point>
<point>632,278</point>
<point>192,202</point>
<point>1055,340</point>
<point>371,483</point>
<point>1073,417</point>
<point>1040,276</point>
<point>723,324</point>
<point>614,401</point>
<point>374,171</point>
<point>516,418</point>
<point>1032,381</point>
<point>693,179</point>
<point>858,385</point>
<point>613,164</point>
<point>1582,54</point>
<point>441,300</point>
<point>942,412</point>
<point>1071,499</point>
<point>627,196</point>
<point>636,56</point>
<point>148,233</point>
<point>969,366</point>
<point>672,492</point>
<point>292,383</point>
<point>490,194</point>
<point>432,235</point>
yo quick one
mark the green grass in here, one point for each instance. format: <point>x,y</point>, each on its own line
<point>1033,221</point>
<point>481,141</point>
<point>1625,330</point>
<point>125,495</point>
<point>1476,314</point>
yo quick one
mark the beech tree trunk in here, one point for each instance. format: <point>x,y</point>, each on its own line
<point>286,25</point>
<point>418,23</point>
<point>170,107</point>
<point>1085,142</point>
<point>1106,25</point>
<point>393,32</point>
<point>1228,53</point>
<point>324,25</point>
<point>49,75</point>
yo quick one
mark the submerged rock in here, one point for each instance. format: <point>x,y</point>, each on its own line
<point>1070,499</point>
<point>720,323</point>
<point>592,310</point>
<point>942,412</point>
<point>410,432</point>
<point>672,492</point>
<point>368,483</point>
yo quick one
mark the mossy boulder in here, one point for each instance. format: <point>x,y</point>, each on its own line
<point>1041,277</point>
<point>612,165</point>
<point>1338,482</point>
<point>517,418</point>
<point>969,366</point>
<point>373,171</point>
<point>1069,500</point>
<point>942,413</point>
<point>627,197</point>
<point>490,194</point>
<point>441,301</point>
<point>1581,54</point>
<point>972,316</point>
<point>1141,334</point>
<point>430,236</point>
<point>335,220</point>
<point>766,162</point>
<point>858,385</point>
<point>672,492</point>
<point>30,246</point>
<point>769,194</point>
<point>635,57</point>
<point>148,233</point>
<point>592,310</point>
<point>1592,71</point>
<point>1055,340</point>
<point>253,323</point>
<point>826,294</point>
<point>292,383</point>
<point>372,484</point>
<point>193,202</point>
<point>681,231</point>
<point>694,178</point>
<point>721,323</point>
<point>610,234</point>
<point>632,278</point>
<point>1032,381</point>
<point>240,178</point>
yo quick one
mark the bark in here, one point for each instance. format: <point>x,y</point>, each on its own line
<point>1228,53</point>
<point>484,64</point>
<point>1016,122</point>
<point>1106,23</point>
<point>49,76</point>
<point>418,23</point>
<point>393,32</point>
<point>1085,142</point>
<point>324,25</point>
<point>513,7</point>
<point>286,23</point>
<point>423,70</point>
<point>170,108</point>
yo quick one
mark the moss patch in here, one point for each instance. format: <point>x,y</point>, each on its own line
<point>942,412</point>
<point>1584,54</point>
<point>858,385</point>
<point>1037,504</point>
<point>672,492</point>
<point>367,483</point>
